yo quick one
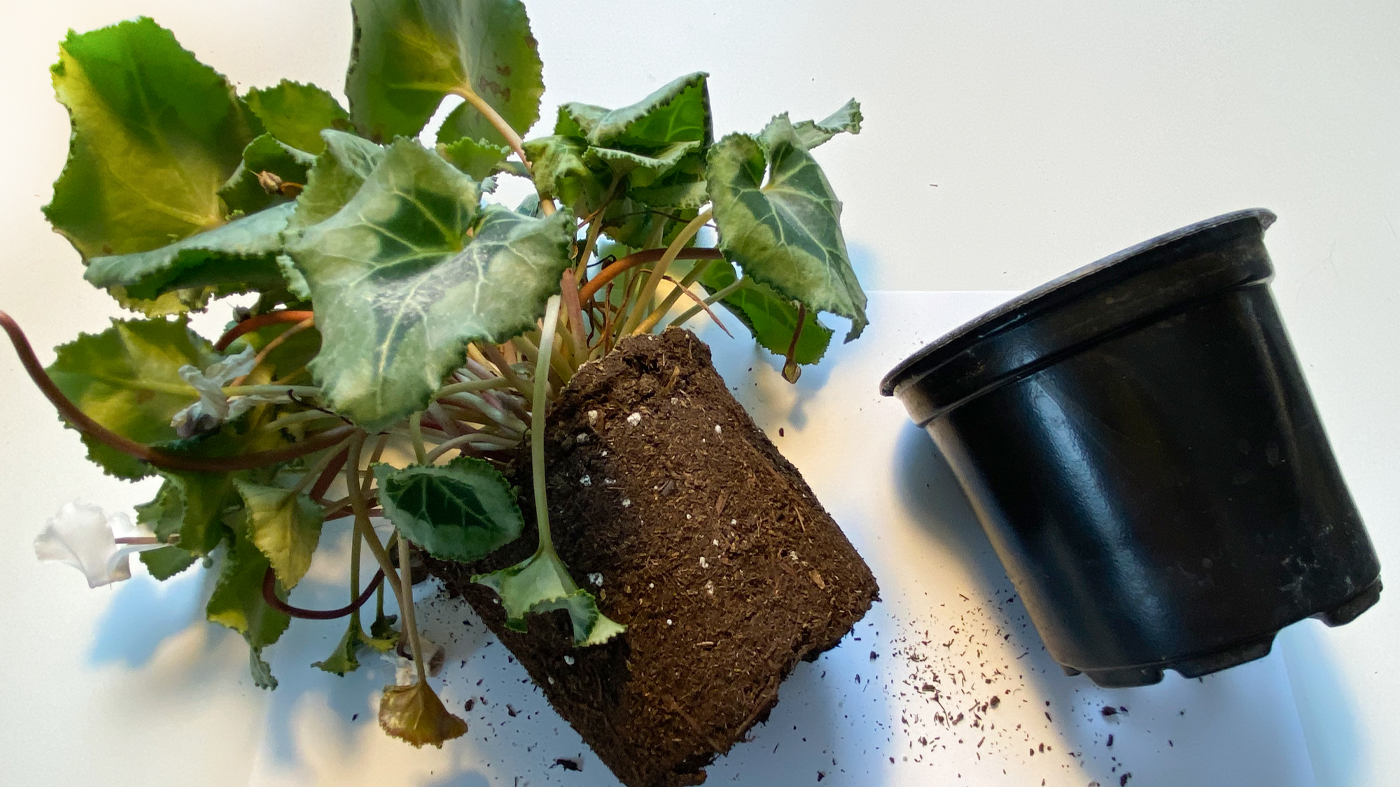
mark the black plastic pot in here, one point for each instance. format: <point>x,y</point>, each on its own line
<point>1139,443</point>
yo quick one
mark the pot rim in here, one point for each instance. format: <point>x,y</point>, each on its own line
<point>1160,250</point>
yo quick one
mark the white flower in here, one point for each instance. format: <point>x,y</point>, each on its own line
<point>82,536</point>
<point>213,407</point>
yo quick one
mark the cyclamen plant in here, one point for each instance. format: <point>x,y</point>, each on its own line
<point>394,306</point>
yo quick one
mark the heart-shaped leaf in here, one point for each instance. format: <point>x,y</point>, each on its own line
<point>784,230</point>
<point>463,510</point>
<point>409,272</point>
<point>811,133</point>
<point>336,177</point>
<point>409,54</point>
<point>560,170</point>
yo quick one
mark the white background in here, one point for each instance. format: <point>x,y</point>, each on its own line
<point>1005,144</point>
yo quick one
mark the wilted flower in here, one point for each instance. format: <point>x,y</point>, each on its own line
<point>404,671</point>
<point>213,406</point>
<point>82,536</point>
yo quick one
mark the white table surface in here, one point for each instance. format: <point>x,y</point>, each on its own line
<point>1004,145</point>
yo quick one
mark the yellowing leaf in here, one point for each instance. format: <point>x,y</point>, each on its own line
<point>285,525</point>
<point>415,714</point>
<point>155,133</point>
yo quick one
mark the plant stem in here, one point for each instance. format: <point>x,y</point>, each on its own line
<point>269,388</point>
<point>551,319</point>
<point>471,386</point>
<point>274,344</point>
<point>512,138</point>
<point>355,543</point>
<point>640,308</point>
<point>680,289</point>
<point>318,469</point>
<point>710,301</point>
<point>323,484</point>
<point>591,287</point>
<point>595,227</point>
<point>573,308</point>
<point>410,619</point>
<point>493,354</point>
<point>153,456</point>
<point>262,320</point>
<point>269,592</point>
<point>361,511</point>
<point>468,440</point>
<point>683,288</point>
<point>791,370</point>
<point>298,417</point>
<point>415,430</point>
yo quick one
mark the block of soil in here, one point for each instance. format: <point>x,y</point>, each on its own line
<point>669,504</point>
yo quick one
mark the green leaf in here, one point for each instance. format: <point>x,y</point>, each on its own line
<point>559,170</point>
<point>285,525</point>
<point>237,602</point>
<point>632,223</point>
<point>677,112</point>
<point>200,501</point>
<point>260,670</point>
<point>238,257</point>
<point>244,190</point>
<point>337,176</point>
<point>409,54</point>
<point>541,583</point>
<point>477,158</point>
<point>127,378</point>
<point>770,317</point>
<point>463,510</point>
<point>166,562</point>
<point>415,714</point>
<point>643,169</point>
<point>383,635</point>
<point>345,658</point>
<point>164,515</point>
<point>155,133</point>
<point>408,273</point>
<point>681,193</point>
<point>784,232</point>
<point>297,114</point>
<point>811,133</point>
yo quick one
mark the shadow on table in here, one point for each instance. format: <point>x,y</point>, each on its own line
<point>930,491</point>
<point>144,613</point>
